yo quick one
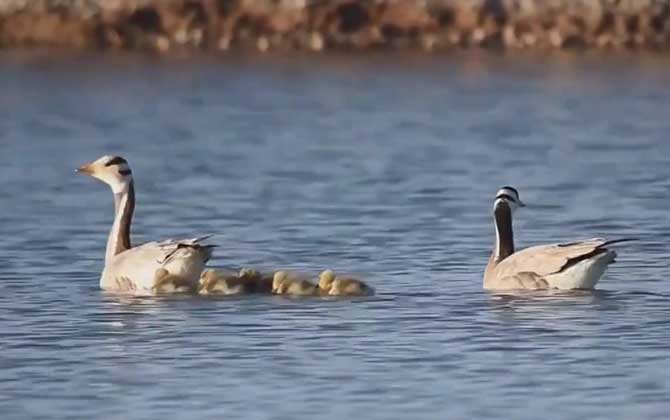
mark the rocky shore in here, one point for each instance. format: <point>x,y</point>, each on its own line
<point>316,25</point>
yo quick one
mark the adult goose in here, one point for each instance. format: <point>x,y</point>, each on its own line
<point>147,268</point>
<point>574,265</point>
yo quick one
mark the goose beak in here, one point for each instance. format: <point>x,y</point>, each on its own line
<point>86,169</point>
<point>521,203</point>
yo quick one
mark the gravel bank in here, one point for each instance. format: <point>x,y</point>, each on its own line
<point>431,25</point>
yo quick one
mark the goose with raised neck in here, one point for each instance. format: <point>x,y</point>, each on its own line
<point>572,265</point>
<point>138,269</point>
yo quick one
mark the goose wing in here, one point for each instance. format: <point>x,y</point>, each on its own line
<point>169,248</point>
<point>550,259</point>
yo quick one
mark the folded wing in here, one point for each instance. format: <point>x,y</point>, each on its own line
<point>183,258</point>
<point>551,259</point>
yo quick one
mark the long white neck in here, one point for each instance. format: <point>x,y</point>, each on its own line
<point>504,234</point>
<point>119,236</point>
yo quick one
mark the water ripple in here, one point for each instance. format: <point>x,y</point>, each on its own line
<point>342,167</point>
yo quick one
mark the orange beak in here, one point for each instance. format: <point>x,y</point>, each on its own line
<point>86,169</point>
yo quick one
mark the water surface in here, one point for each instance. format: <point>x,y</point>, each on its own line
<point>383,166</point>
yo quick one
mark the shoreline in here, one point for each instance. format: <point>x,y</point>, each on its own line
<point>164,26</point>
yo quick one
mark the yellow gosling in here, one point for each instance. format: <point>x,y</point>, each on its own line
<point>326,280</point>
<point>222,283</point>
<point>164,282</point>
<point>331,285</point>
<point>261,283</point>
<point>283,284</point>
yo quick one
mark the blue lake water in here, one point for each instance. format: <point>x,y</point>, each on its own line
<point>384,166</point>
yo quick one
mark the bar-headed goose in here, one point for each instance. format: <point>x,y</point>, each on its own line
<point>574,265</point>
<point>332,285</point>
<point>150,267</point>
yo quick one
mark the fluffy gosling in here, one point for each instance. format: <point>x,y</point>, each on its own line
<point>331,285</point>
<point>283,284</point>
<point>261,283</point>
<point>164,282</point>
<point>222,283</point>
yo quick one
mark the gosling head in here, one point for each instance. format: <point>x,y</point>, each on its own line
<point>508,196</point>
<point>160,273</point>
<point>206,278</point>
<point>277,280</point>
<point>326,279</point>
<point>112,170</point>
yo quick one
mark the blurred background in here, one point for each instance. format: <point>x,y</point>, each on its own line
<point>365,136</point>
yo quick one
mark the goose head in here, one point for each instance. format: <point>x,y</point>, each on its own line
<point>508,196</point>
<point>326,279</point>
<point>112,170</point>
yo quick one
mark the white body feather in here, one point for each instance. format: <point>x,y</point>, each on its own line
<point>135,269</point>
<point>548,266</point>
<point>583,275</point>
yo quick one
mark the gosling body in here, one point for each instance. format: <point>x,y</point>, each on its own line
<point>332,285</point>
<point>285,284</point>
<point>217,282</point>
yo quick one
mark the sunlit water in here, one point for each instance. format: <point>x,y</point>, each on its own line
<point>382,166</point>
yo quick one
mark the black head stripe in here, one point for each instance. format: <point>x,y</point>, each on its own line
<point>507,187</point>
<point>116,160</point>
<point>506,197</point>
<point>125,172</point>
